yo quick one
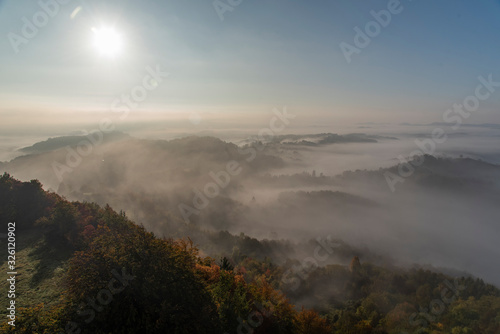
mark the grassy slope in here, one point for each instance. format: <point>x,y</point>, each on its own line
<point>40,269</point>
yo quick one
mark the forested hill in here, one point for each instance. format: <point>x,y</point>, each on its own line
<point>83,268</point>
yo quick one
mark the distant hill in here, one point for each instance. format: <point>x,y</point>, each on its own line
<point>56,143</point>
<point>319,139</point>
<point>466,174</point>
<point>325,139</point>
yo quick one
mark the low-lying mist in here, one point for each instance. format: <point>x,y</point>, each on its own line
<point>444,214</point>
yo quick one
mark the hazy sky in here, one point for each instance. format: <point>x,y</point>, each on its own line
<point>263,54</point>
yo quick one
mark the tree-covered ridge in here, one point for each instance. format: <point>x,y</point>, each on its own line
<point>116,277</point>
<point>123,279</point>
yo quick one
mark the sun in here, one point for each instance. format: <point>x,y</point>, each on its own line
<point>107,42</point>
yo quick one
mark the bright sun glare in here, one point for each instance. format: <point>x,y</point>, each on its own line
<point>107,42</point>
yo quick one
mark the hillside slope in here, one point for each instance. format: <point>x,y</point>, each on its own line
<point>84,268</point>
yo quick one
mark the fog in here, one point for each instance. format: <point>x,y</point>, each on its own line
<point>444,214</point>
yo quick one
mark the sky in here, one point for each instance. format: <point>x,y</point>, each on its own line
<point>232,64</point>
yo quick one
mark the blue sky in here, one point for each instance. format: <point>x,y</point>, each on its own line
<point>263,54</point>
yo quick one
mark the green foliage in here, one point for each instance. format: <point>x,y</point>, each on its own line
<point>226,264</point>
<point>22,202</point>
<point>162,294</point>
<point>230,296</point>
<point>37,319</point>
